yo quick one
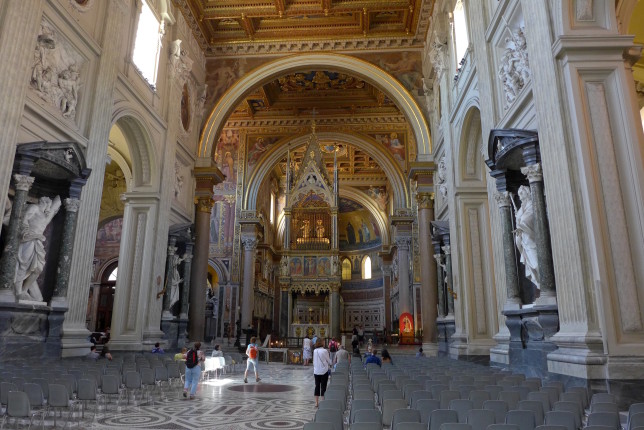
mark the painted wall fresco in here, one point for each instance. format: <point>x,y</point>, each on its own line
<point>226,158</point>
<point>356,227</point>
<point>222,225</point>
<point>257,146</point>
<point>223,73</point>
<point>394,142</point>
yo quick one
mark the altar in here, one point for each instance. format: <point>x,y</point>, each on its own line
<point>301,330</point>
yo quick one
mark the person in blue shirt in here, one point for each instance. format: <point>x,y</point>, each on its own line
<point>372,358</point>
<point>157,349</point>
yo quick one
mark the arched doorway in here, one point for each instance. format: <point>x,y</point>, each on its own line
<point>106,297</point>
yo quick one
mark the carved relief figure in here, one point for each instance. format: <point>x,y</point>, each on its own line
<point>442,177</point>
<point>178,179</point>
<point>525,235</point>
<point>319,229</point>
<point>31,250</point>
<point>514,70</point>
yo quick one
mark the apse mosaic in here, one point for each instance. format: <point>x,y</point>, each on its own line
<point>356,227</point>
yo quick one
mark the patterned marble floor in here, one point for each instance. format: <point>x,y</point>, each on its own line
<point>283,399</point>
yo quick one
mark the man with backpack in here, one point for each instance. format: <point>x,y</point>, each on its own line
<point>194,362</point>
<point>253,353</point>
<point>333,348</point>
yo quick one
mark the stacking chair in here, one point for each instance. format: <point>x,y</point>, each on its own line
<point>446,397</point>
<point>161,376</point>
<point>417,395</point>
<point>534,406</point>
<point>542,397</point>
<point>173,373</point>
<point>478,397</point>
<point>408,426</point>
<point>410,388</point>
<point>455,426</point>
<point>18,407</point>
<point>330,416</point>
<point>132,385</point>
<point>503,427</point>
<point>371,416</point>
<point>426,407</point>
<point>479,419</point>
<point>437,389</point>
<point>405,416</point>
<point>602,398</point>
<point>462,407</point>
<point>553,392</point>
<point>18,382</point>
<point>561,418</point>
<point>604,407</point>
<point>583,392</point>
<point>494,391</point>
<point>363,395</point>
<point>512,398</point>
<point>598,427</point>
<point>608,419</point>
<point>318,426</point>
<point>635,421</point>
<point>5,387</point>
<point>635,408</point>
<point>391,394</point>
<point>389,406</point>
<point>35,396</point>
<point>357,405</point>
<point>522,390</point>
<point>331,404</point>
<point>337,395</point>
<point>441,416</point>
<point>59,399</point>
<point>87,392</point>
<point>549,427</point>
<point>572,407</point>
<point>522,418</point>
<point>110,386</point>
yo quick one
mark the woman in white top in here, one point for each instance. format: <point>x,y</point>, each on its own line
<point>306,350</point>
<point>321,364</point>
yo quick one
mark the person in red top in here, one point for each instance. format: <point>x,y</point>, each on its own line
<point>333,348</point>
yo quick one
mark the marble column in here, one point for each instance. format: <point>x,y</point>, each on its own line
<point>440,278</point>
<point>19,24</point>
<point>428,284</point>
<point>448,269</point>
<point>172,249</point>
<point>22,184</point>
<point>250,249</point>
<point>185,286</point>
<point>199,275</point>
<point>59,298</point>
<point>404,301</point>
<point>284,312</point>
<point>513,301</point>
<point>548,295</point>
<point>287,229</point>
<point>335,311</point>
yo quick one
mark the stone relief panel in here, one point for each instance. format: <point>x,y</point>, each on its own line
<point>56,71</point>
<point>514,66</point>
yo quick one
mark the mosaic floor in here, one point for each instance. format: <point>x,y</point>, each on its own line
<point>283,399</point>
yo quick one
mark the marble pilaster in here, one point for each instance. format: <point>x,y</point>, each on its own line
<point>404,300</point>
<point>287,229</point>
<point>172,249</point>
<point>250,249</point>
<point>429,286</point>
<point>75,333</point>
<point>199,275</point>
<point>335,311</point>
<point>448,269</point>
<point>513,300</point>
<point>59,298</point>
<point>9,257</point>
<point>185,285</point>
<point>548,295</point>
<point>284,312</point>
<point>19,24</point>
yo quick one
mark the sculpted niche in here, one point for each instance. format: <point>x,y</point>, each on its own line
<point>55,73</point>
<point>525,233</point>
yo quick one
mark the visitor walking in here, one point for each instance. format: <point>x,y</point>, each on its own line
<point>321,365</point>
<point>252,352</point>
<point>195,360</point>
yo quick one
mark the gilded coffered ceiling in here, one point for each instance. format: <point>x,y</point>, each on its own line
<point>219,24</point>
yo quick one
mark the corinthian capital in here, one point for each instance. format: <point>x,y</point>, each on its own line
<point>502,199</point>
<point>23,182</point>
<point>425,200</point>
<point>250,243</point>
<point>403,243</point>
<point>71,204</point>
<point>204,204</point>
<point>533,172</point>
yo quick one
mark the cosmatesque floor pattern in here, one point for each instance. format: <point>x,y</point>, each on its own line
<point>283,399</point>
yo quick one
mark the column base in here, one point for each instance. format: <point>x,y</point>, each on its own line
<point>59,303</point>
<point>500,354</point>
<point>24,328</point>
<point>430,349</point>
<point>546,300</point>
<point>171,331</point>
<point>182,337</point>
<point>7,296</point>
<point>167,315</point>
<point>75,342</point>
<point>446,328</point>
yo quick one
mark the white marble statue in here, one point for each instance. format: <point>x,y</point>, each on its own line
<point>175,279</point>
<point>31,249</point>
<point>525,235</point>
<point>7,211</point>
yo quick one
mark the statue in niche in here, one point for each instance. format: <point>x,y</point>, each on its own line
<point>284,265</point>
<point>319,229</point>
<point>524,235</point>
<point>31,249</point>
<point>174,279</point>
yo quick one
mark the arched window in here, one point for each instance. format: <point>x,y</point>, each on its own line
<point>146,44</point>
<point>346,269</point>
<point>112,276</point>
<point>461,39</point>
<point>366,267</point>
